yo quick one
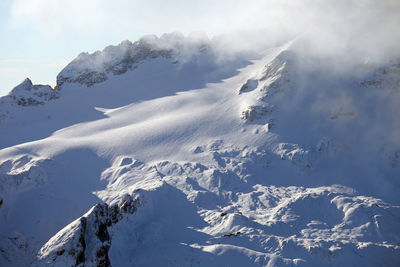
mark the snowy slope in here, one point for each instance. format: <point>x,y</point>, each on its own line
<point>162,153</point>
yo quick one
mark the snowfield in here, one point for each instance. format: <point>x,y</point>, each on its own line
<point>163,152</point>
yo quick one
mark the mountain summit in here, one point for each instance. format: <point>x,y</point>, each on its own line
<point>172,151</point>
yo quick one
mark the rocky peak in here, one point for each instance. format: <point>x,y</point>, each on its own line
<point>89,69</point>
<point>28,94</point>
<point>24,85</point>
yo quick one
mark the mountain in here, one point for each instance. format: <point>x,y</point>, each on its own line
<point>176,151</point>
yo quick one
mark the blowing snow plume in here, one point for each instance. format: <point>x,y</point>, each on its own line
<point>366,28</point>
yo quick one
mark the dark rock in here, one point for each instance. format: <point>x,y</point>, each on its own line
<point>82,243</point>
<point>102,233</point>
<point>60,252</point>
<point>232,234</point>
<point>102,257</point>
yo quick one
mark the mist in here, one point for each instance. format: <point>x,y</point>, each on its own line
<point>367,27</point>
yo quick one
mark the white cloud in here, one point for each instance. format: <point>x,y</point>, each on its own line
<point>54,17</point>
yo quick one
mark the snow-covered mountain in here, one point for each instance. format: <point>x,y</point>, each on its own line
<point>169,152</point>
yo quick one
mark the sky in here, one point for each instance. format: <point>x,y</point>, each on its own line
<point>39,37</point>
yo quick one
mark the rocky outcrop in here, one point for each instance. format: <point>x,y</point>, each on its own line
<point>86,241</point>
<point>255,112</point>
<point>385,77</point>
<point>28,94</point>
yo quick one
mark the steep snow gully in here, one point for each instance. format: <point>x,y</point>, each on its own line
<point>167,152</point>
